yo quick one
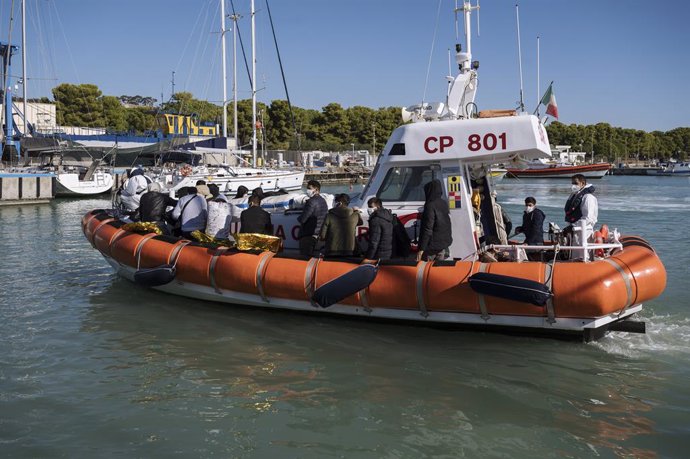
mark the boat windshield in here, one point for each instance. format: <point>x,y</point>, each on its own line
<point>405,183</point>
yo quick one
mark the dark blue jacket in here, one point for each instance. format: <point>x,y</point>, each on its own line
<point>312,216</point>
<point>533,226</point>
<point>380,235</point>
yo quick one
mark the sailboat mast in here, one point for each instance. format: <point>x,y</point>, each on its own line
<point>225,76</point>
<point>24,66</point>
<point>253,84</point>
<point>234,17</point>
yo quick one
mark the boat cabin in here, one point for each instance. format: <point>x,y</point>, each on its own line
<point>459,154</point>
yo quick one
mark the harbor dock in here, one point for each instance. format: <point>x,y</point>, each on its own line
<point>17,188</point>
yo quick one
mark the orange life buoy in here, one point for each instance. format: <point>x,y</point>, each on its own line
<point>604,231</point>
<point>186,170</point>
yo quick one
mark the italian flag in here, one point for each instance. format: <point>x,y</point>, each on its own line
<point>549,101</point>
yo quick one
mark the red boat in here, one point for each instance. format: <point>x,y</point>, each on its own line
<point>556,170</point>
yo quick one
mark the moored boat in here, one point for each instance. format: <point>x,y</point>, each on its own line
<point>538,169</point>
<point>483,283</point>
<point>672,170</point>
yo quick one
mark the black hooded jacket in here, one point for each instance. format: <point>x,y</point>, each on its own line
<point>436,232</point>
<point>153,204</point>
<point>380,235</point>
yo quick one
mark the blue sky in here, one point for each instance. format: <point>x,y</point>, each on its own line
<point>618,61</point>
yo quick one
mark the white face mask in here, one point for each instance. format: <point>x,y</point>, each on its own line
<point>529,209</point>
<point>575,188</point>
<point>311,192</point>
<point>370,210</point>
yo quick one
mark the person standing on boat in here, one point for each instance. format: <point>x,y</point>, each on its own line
<point>191,211</point>
<point>503,222</point>
<point>581,208</point>
<point>153,205</point>
<point>380,231</point>
<point>255,219</point>
<point>311,219</point>
<point>219,214</point>
<point>436,232</point>
<point>532,223</point>
<point>339,228</point>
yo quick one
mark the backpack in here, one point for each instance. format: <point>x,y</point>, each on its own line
<point>401,240</point>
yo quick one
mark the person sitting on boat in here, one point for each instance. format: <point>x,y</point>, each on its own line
<point>219,214</point>
<point>339,228</point>
<point>191,211</point>
<point>254,219</point>
<point>581,209</point>
<point>153,205</point>
<point>241,192</point>
<point>203,189</point>
<point>380,231</point>
<point>311,219</point>
<point>436,233</point>
<point>135,186</point>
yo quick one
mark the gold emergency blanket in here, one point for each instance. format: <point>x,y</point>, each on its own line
<point>256,241</point>
<point>142,227</point>
<point>200,236</point>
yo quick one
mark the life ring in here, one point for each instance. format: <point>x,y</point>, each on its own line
<point>186,170</point>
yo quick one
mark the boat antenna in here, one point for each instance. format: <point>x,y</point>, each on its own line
<point>455,11</point>
<point>172,82</point>
<point>538,86</point>
<point>517,17</point>
<point>282,73</point>
<point>477,8</point>
<point>431,54</point>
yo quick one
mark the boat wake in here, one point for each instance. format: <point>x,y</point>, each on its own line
<point>665,333</point>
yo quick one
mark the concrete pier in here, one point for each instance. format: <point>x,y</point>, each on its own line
<point>17,188</point>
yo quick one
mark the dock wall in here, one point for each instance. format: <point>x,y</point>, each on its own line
<point>26,188</point>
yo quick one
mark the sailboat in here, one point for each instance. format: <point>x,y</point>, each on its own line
<point>69,180</point>
<point>230,178</point>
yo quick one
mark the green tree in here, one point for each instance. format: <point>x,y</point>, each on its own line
<point>78,105</point>
<point>361,121</point>
<point>334,126</point>
<point>140,119</point>
<point>114,113</point>
<point>184,103</point>
<point>279,128</point>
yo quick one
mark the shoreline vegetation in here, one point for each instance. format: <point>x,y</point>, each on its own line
<point>335,128</point>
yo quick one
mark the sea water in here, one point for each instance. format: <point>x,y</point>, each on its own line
<point>92,365</point>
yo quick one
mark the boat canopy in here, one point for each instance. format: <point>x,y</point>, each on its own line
<point>487,141</point>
